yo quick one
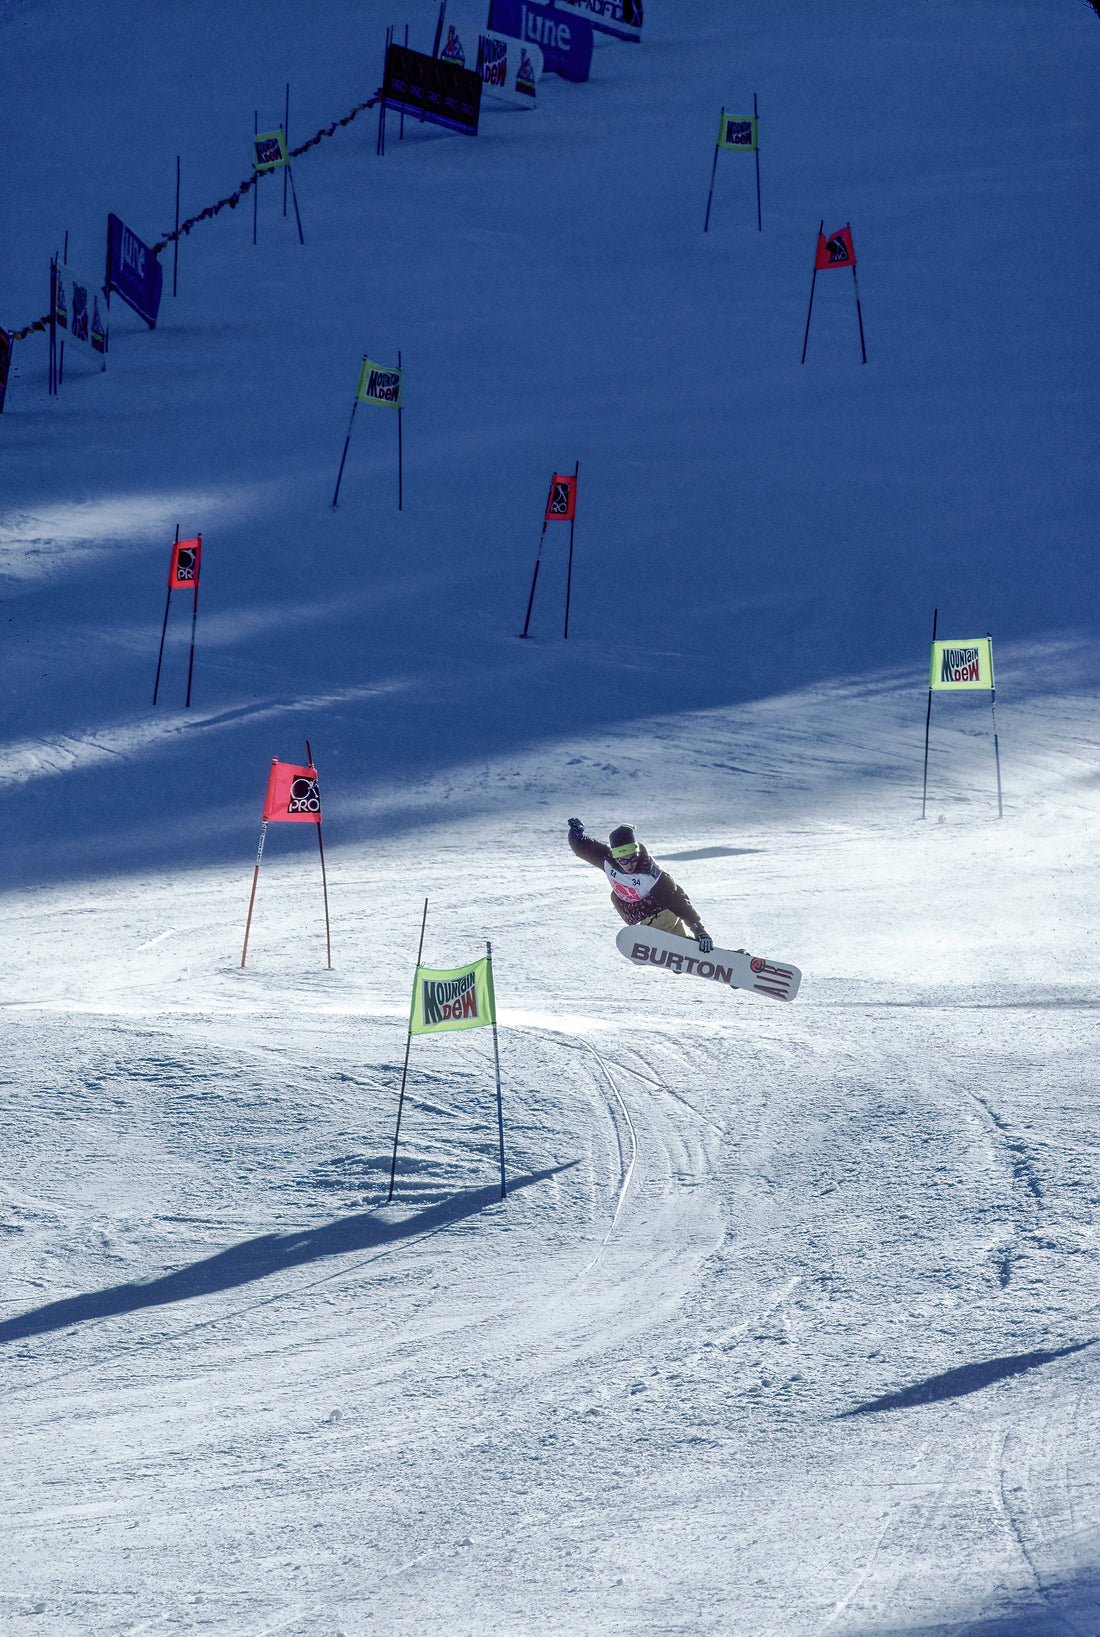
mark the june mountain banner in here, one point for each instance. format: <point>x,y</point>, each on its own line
<point>133,270</point>
<point>962,664</point>
<point>461,998</point>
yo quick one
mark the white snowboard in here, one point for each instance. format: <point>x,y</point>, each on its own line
<point>648,946</point>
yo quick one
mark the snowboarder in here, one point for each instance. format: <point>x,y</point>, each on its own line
<point>641,891</point>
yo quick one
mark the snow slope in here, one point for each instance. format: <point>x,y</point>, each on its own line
<point>790,1321</point>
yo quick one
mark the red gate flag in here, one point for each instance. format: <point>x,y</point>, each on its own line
<point>292,795</point>
<point>835,251</point>
<point>183,570</point>
<point>562,504</point>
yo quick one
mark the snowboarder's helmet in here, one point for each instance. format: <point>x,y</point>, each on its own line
<point>623,842</point>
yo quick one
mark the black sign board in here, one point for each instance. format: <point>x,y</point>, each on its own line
<point>432,89</point>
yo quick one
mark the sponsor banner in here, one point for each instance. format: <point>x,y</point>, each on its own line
<point>292,795</point>
<point>461,998</point>
<point>509,70</point>
<point>80,312</point>
<point>268,150</point>
<point>962,664</point>
<point>737,131</point>
<point>133,270</point>
<point>623,18</point>
<point>7,342</point>
<point>564,38</point>
<point>562,500</point>
<point>835,251</point>
<point>433,88</point>
<point>183,569</point>
<point>378,385</point>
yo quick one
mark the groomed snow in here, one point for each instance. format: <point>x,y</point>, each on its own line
<point>790,1323</point>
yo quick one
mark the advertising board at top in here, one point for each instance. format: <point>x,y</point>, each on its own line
<point>564,38</point>
<point>133,270</point>
<point>430,88</point>
<point>623,18</point>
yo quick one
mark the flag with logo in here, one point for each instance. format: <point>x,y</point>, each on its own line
<point>737,131</point>
<point>378,385</point>
<point>292,795</point>
<point>183,569</point>
<point>561,504</point>
<point>962,664</point>
<point>461,998</point>
<point>835,251</point>
<point>268,150</point>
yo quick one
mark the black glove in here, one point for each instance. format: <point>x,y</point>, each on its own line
<point>576,828</point>
<point>706,943</point>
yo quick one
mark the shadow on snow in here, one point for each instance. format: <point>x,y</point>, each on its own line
<point>260,1258</point>
<point>967,1378</point>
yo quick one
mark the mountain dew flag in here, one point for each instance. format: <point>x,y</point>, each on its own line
<point>268,150</point>
<point>958,665</point>
<point>378,385</point>
<point>462,998</point>
<point>737,131</point>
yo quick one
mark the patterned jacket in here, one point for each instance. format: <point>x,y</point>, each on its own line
<point>644,893</point>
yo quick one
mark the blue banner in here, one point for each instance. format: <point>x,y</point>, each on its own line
<point>564,39</point>
<point>133,270</point>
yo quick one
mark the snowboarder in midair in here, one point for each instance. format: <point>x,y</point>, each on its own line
<point>641,891</point>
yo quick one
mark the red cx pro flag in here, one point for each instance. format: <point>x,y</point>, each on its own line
<point>835,251</point>
<point>562,504</point>
<point>292,795</point>
<point>183,570</point>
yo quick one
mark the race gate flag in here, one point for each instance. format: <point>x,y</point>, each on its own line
<point>80,312</point>
<point>835,251</point>
<point>958,665</point>
<point>378,385</point>
<point>561,505</point>
<point>462,998</point>
<point>737,131</point>
<point>133,270</point>
<point>292,795</point>
<point>183,568</point>
<point>268,150</point>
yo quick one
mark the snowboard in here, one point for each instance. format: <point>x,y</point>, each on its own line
<point>649,946</point>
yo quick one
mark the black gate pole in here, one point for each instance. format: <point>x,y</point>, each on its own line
<point>496,1065</point>
<point>176,239</point>
<point>993,708</point>
<point>405,1070</point>
<point>344,456</point>
<point>255,176</point>
<point>194,622</point>
<point>400,461</point>
<point>859,310</point>
<point>286,139</point>
<point>534,578</point>
<point>813,282</point>
<point>928,721</point>
<point>572,526</point>
<point>713,170</point>
<point>164,627</point>
<point>756,117</point>
<point>324,883</point>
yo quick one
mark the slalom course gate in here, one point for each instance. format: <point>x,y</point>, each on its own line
<point>443,1002</point>
<point>961,666</point>
<point>293,797</point>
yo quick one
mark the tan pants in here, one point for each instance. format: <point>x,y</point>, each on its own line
<point>666,920</point>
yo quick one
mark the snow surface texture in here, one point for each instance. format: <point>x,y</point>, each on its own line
<point>790,1324</point>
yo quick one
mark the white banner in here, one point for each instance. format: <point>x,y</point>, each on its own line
<point>509,69</point>
<point>80,313</point>
<point>623,18</point>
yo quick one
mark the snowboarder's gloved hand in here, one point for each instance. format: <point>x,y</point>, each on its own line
<point>576,828</point>
<point>706,943</point>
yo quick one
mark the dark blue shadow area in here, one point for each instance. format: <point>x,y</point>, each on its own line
<point>1067,1607</point>
<point>968,1378</point>
<point>260,1258</point>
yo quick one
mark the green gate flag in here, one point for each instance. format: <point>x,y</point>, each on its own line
<point>966,664</point>
<point>269,150</point>
<point>378,385</point>
<point>461,998</point>
<point>737,131</point>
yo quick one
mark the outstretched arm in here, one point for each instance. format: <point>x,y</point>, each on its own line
<point>593,852</point>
